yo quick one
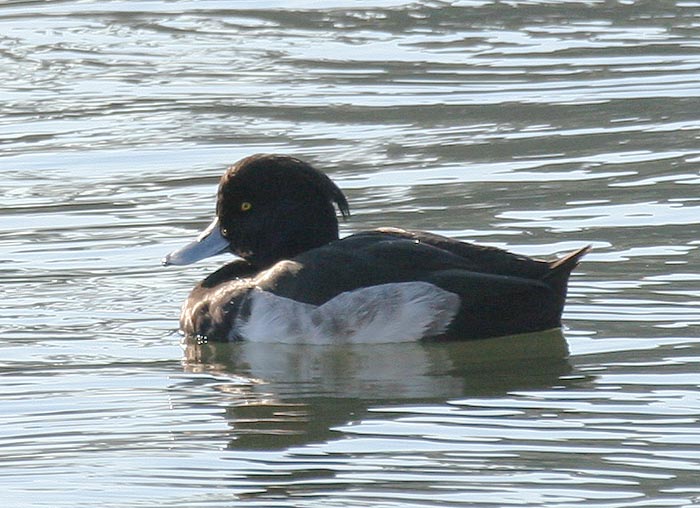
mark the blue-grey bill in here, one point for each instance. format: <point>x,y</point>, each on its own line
<point>209,243</point>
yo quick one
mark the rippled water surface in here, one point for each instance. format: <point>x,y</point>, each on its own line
<point>539,126</point>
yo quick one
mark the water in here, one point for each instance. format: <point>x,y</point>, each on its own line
<point>539,126</point>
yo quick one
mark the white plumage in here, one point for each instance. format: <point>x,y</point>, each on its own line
<point>398,312</point>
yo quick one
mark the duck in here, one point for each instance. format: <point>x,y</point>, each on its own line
<point>295,280</point>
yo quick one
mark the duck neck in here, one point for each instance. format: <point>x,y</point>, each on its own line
<point>294,236</point>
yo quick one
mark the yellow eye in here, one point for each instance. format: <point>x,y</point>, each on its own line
<point>246,206</point>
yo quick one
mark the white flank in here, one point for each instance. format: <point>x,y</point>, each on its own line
<point>399,312</point>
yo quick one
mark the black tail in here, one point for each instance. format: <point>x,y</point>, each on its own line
<point>560,270</point>
<point>565,265</point>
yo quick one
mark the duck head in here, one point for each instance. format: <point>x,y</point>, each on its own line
<point>268,208</point>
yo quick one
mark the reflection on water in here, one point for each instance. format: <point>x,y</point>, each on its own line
<point>288,394</point>
<point>539,126</point>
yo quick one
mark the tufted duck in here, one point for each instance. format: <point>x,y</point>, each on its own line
<point>296,281</point>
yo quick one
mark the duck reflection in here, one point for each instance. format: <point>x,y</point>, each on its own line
<point>281,395</point>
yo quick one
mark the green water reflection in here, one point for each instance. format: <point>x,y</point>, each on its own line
<point>280,395</point>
